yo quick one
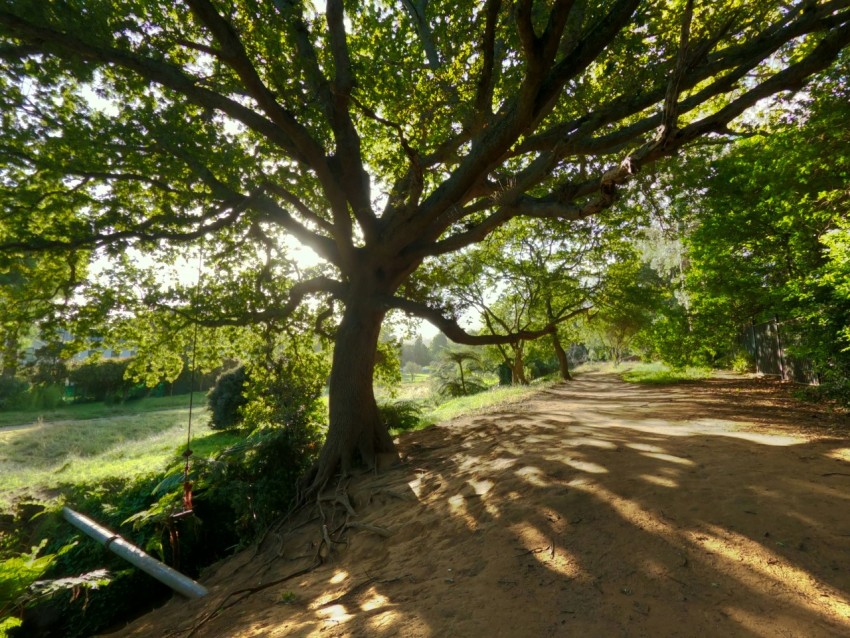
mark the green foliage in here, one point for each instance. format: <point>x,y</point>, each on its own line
<point>458,373</point>
<point>252,482</point>
<point>771,209</point>
<point>18,573</point>
<point>388,365</point>
<point>401,416</point>
<point>417,353</point>
<point>226,398</point>
<point>49,366</point>
<point>629,300</point>
<point>439,343</point>
<point>257,480</point>
<point>286,381</point>
<point>101,380</point>
<point>13,392</point>
<point>22,584</point>
<point>741,363</point>
<point>659,374</point>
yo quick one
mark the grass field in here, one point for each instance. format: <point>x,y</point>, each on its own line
<point>90,443</point>
<point>86,411</point>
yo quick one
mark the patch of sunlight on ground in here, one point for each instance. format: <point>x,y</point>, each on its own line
<point>334,614</point>
<point>457,505</point>
<point>591,442</point>
<point>668,457</point>
<point>544,550</point>
<point>532,475</point>
<point>659,480</point>
<point>585,466</point>
<point>739,549</point>
<point>840,454</point>
<point>711,427</point>
<point>732,549</point>
<point>481,487</point>
<point>375,600</point>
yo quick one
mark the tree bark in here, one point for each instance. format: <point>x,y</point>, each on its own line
<point>10,354</point>
<point>356,434</point>
<point>518,367</point>
<point>563,360</point>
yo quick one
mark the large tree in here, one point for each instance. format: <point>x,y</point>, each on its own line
<point>379,134</point>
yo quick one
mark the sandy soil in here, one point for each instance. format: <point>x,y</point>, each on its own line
<point>596,508</point>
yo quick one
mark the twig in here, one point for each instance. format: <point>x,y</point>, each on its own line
<point>248,591</point>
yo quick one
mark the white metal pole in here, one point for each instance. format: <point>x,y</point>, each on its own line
<point>132,554</point>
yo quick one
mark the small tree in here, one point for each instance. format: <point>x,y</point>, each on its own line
<point>226,398</point>
<point>458,373</point>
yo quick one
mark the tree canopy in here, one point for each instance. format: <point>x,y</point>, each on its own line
<point>380,135</point>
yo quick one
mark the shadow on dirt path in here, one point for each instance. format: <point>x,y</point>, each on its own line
<point>596,508</point>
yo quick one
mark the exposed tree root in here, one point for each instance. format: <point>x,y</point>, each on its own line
<point>235,597</point>
<point>334,513</point>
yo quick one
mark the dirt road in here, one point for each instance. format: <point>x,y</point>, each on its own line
<point>595,509</point>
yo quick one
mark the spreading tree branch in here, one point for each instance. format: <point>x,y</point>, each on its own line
<point>453,331</point>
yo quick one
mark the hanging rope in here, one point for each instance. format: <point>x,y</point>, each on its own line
<point>187,453</point>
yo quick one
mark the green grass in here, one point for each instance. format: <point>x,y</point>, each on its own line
<point>86,411</point>
<point>39,458</point>
<point>661,374</point>
<point>493,397</point>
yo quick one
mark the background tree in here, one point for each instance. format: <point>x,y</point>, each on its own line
<point>438,343</point>
<point>527,279</point>
<point>458,372</point>
<point>777,226</point>
<point>238,124</point>
<point>30,289</point>
<point>631,295</point>
<point>417,353</point>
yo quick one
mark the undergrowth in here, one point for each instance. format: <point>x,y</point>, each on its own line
<point>662,374</point>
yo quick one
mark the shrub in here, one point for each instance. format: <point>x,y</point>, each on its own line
<point>256,480</point>
<point>13,392</point>
<point>103,380</point>
<point>742,363</point>
<point>400,415</point>
<point>540,367</point>
<point>226,398</point>
<point>46,397</point>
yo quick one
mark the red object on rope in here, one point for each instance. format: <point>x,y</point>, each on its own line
<point>187,496</point>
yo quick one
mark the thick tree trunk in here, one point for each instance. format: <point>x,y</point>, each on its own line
<point>518,368</point>
<point>563,360</point>
<point>356,434</point>
<point>10,354</point>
